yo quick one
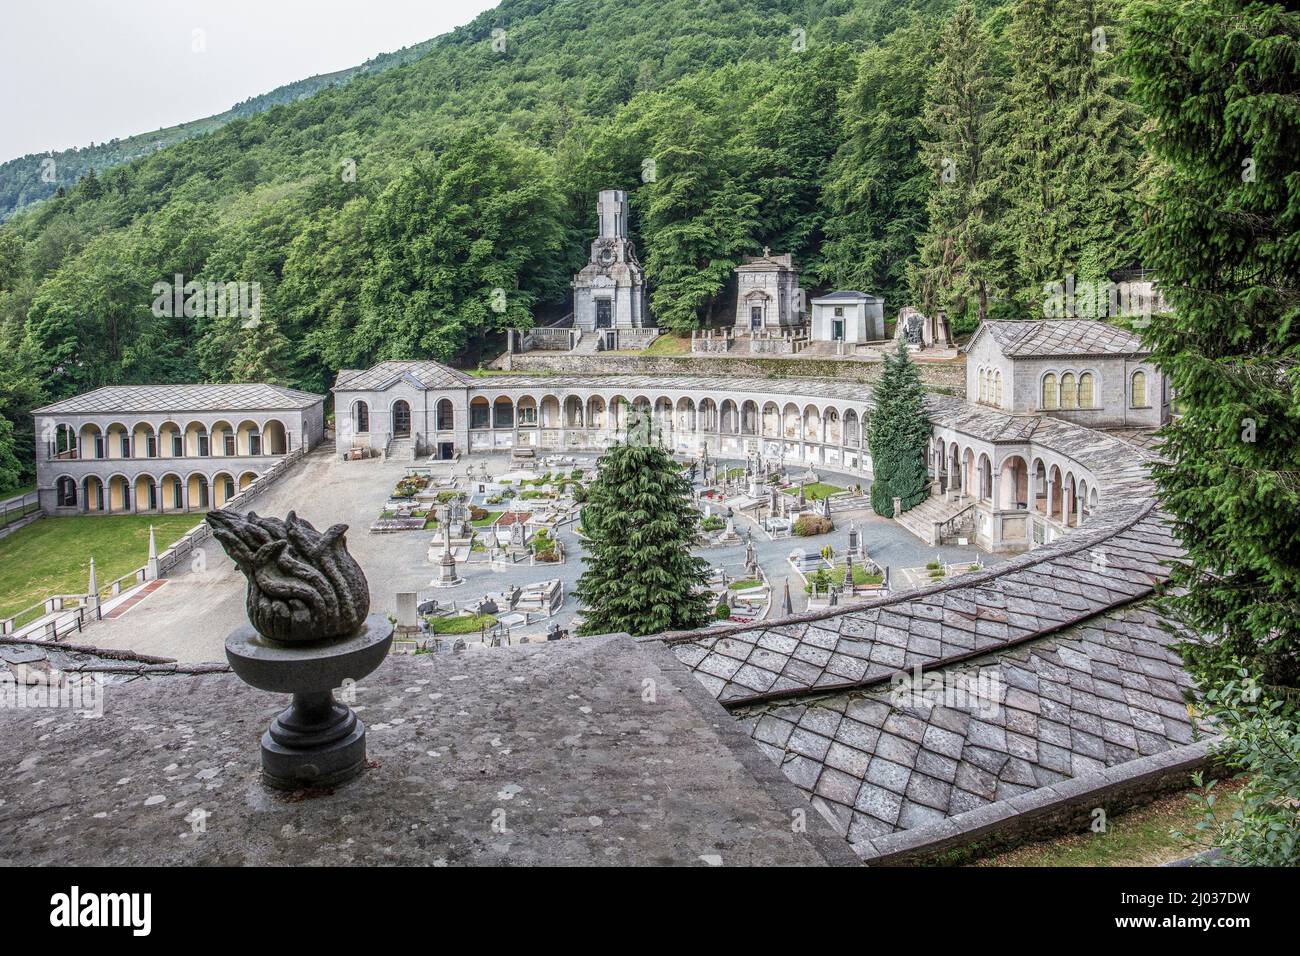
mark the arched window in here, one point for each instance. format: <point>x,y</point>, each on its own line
<point>1069,398</point>
<point>361,418</point>
<point>997,388</point>
<point>1051,398</point>
<point>1139,389</point>
<point>1085,390</point>
<point>983,385</point>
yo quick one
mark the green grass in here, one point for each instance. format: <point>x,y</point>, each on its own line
<point>468,624</point>
<point>487,520</point>
<point>860,576</point>
<point>15,492</point>
<point>668,344</point>
<point>52,556</point>
<point>745,585</point>
<point>1138,837</point>
<point>816,491</point>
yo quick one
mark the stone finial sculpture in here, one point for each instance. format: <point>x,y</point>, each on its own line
<point>303,586</point>
<point>311,631</point>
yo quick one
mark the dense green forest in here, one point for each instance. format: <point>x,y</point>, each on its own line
<point>952,156</point>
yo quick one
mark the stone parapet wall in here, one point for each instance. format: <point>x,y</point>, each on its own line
<point>947,378</point>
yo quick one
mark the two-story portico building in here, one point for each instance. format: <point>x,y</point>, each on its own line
<point>166,448</point>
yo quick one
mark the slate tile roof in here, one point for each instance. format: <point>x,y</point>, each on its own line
<point>428,374</point>
<point>878,760</point>
<point>1071,580</point>
<point>1054,337</point>
<point>183,398</point>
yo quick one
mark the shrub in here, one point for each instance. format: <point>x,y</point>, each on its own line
<point>723,612</point>
<point>713,523</point>
<point>1261,739</point>
<point>808,525</point>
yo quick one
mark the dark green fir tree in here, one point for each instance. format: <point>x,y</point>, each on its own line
<point>1220,82</point>
<point>639,526</point>
<point>898,435</point>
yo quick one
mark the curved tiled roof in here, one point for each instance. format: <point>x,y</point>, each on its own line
<point>183,398</point>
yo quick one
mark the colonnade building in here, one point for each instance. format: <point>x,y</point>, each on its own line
<point>1031,478</point>
<point>144,449</point>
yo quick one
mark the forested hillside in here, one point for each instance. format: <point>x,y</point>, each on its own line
<point>951,156</point>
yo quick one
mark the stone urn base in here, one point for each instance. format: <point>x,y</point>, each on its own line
<point>317,741</point>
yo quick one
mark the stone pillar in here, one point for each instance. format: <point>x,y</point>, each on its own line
<point>1051,498</point>
<point>151,569</point>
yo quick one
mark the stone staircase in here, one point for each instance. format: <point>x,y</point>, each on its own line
<point>927,519</point>
<point>589,344</point>
<point>400,449</point>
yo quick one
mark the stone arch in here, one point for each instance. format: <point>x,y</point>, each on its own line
<point>526,412</point>
<point>118,494</point>
<point>574,412</point>
<point>171,440</point>
<point>852,434</point>
<point>686,414</point>
<point>222,442</point>
<point>198,492</point>
<point>93,494</point>
<point>1069,390</point>
<point>549,411</point>
<point>812,423</point>
<point>771,420</point>
<point>730,424</point>
<point>65,492</point>
<point>171,493</point>
<point>1138,397</point>
<point>503,412</point>
<point>275,437</point>
<point>90,442</point>
<point>985,467</point>
<point>1013,483</point>
<point>400,424</point>
<point>248,439</point>
<point>708,417</point>
<point>791,422</point>
<point>223,488</point>
<point>246,480</point>
<point>145,493</point>
<point>597,416</point>
<point>749,417</point>
<point>144,440</point>
<point>831,426</point>
<point>480,412</point>
<point>117,441</point>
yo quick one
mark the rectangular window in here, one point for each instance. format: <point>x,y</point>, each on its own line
<point>203,446</point>
<point>528,415</point>
<point>126,446</point>
<point>151,444</point>
<point>255,444</point>
<point>178,447</point>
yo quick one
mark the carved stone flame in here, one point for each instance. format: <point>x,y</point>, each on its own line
<point>303,586</point>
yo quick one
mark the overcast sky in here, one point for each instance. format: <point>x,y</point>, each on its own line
<point>77,71</point>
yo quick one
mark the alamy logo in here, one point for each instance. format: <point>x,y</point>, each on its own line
<point>208,300</point>
<point>103,909</point>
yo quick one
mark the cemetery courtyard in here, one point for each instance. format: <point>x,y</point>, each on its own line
<point>189,616</point>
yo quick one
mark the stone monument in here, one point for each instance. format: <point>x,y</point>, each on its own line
<point>311,631</point>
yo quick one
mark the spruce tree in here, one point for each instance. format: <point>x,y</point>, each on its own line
<point>898,435</point>
<point>1221,83</point>
<point>1071,154</point>
<point>639,525</point>
<point>958,263</point>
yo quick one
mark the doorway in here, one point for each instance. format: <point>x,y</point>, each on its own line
<point>604,314</point>
<point>401,419</point>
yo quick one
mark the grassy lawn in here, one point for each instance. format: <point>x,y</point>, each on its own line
<point>1139,837</point>
<point>52,556</point>
<point>487,520</point>
<point>8,493</point>
<point>815,491</point>
<point>466,624</point>
<point>668,344</point>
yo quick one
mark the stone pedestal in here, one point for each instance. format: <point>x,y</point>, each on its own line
<point>317,741</point>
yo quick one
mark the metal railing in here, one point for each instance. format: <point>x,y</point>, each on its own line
<point>19,507</point>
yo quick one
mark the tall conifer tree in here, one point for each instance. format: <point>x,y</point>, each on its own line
<point>898,435</point>
<point>639,525</point>
<point>1221,82</point>
<point>958,264</point>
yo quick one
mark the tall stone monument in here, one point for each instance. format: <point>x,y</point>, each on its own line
<point>609,292</point>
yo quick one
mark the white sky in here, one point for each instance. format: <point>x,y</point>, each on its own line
<point>77,71</point>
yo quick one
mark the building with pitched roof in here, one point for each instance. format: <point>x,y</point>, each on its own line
<point>1081,370</point>
<point>126,449</point>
